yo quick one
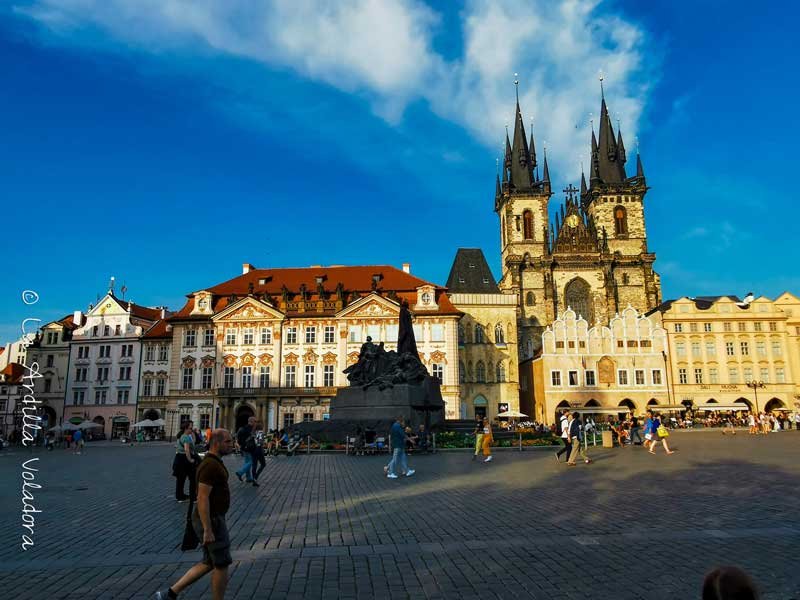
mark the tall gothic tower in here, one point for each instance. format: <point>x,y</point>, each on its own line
<point>594,258</point>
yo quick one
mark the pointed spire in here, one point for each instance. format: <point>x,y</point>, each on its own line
<point>532,149</point>
<point>583,183</point>
<point>639,168</point>
<point>610,167</point>
<point>546,170</point>
<point>621,146</point>
<point>497,188</point>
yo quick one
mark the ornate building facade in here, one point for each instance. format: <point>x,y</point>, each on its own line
<point>272,343</point>
<point>487,338</point>
<point>594,258</point>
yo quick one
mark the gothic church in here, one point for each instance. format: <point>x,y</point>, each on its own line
<point>594,258</point>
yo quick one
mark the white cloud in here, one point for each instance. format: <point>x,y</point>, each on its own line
<point>384,49</point>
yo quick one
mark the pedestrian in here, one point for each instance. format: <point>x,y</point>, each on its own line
<point>751,421</point>
<point>635,430</point>
<point>77,437</point>
<point>259,462</point>
<point>399,462</point>
<point>246,444</point>
<point>563,425</point>
<point>488,440</point>
<point>661,433</point>
<point>574,438</point>
<point>728,426</point>
<point>184,464</point>
<point>729,583</point>
<point>649,432</point>
<point>797,420</point>
<point>208,519</point>
<point>478,433</point>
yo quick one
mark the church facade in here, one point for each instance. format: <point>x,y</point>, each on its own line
<point>594,258</point>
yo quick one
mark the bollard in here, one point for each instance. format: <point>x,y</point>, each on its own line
<point>308,444</point>
<point>434,442</point>
<point>520,442</point>
<point>346,445</point>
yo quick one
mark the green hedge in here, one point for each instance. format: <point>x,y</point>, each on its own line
<point>455,439</point>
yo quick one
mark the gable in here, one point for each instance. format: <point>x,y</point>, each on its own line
<point>248,309</point>
<point>370,307</point>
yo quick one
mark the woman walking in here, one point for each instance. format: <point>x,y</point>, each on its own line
<point>662,433</point>
<point>259,462</point>
<point>184,464</point>
<point>488,438</point>
<point>478,433</point>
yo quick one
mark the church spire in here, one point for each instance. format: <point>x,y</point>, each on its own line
<point>583,183</point>
<point>532,149</point>
<point>521,169</point>
<point>621,147</point>
<point>639,168</point>
<point>610,165</point>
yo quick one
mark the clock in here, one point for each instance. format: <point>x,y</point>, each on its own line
<point>572,221</point>
<point>202,303</point>
<point>426,298</point>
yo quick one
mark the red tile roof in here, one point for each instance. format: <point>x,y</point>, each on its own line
<point>159,330</point>
<point>13,373</point>
<point>355,280</point>
<point>142,312</point>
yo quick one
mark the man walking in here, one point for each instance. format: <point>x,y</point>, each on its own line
<point>574,439</point>
<point>77,437</point>
<point>564,427</point>
<point>245,442</point>
<point>208,520</point>
<point>478,433</point>
<point>399,462</point>
<point>635,430</point>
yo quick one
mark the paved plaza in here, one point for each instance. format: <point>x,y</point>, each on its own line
<point>631,525</point>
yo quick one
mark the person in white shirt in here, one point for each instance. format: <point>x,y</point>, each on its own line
<point>564,425</point>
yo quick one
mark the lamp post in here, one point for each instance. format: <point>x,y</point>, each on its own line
<point>754,384</point>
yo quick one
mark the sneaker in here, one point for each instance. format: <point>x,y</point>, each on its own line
<point>588,461</point>
<point>488,458</point>
<point>386,469</point>
<point>182,500</point>
<point>255,483</point>
<point>558,458</point>
<point>161,595</point>
<point>410,472</point>
<point>391,476</point>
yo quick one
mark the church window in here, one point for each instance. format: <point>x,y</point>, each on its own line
<point>469,371</point>
<point>480,372</point>
<point>529,347</point>
<point>478,334</point>
<point>530,299</point>
<point>462,375</point>
<point>527,218</point>
<point>620,220</point>
<point>625,279</point>
<point>501,373</point>
<point>461,334</point>
<point>578,298</point>
<point>498,334</point>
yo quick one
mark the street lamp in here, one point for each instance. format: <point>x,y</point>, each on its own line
<point>755,385</point>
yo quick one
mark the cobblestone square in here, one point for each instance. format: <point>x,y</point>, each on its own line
<point>629,526</point>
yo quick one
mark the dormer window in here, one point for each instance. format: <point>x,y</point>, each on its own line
<point>106,330</point>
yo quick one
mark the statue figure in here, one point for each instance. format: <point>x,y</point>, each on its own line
<point>405,335</point>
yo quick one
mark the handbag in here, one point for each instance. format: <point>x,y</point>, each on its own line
<point>190,539</point>
<point>662,431</point>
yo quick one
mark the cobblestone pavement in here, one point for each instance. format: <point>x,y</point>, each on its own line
<point>631,525</point>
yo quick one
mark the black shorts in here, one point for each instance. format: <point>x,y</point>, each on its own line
<point>218,553</point>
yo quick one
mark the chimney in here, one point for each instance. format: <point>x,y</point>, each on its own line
<point>407,268</point>
<point>77,317</point>
<point>163,312</point>
<point>246,268</point>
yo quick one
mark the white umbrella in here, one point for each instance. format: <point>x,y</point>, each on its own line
<point>159,423</point>
<point>65,427</point>
<point>89,425</point>
<point>145,423</point>
<point>512,413</point>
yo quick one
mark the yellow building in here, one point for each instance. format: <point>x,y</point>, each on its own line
<point>790,305</point>
<point>487,338</point>
<point>731,352</point>
<point>611,369</point>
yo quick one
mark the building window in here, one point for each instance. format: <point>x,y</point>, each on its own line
<point>47,385</point>
<point>480,372</point>
<point>230,337</point>
<point>374,331</point>
<point>620,220</point>
<point>655,375</point>
<point>622,377</point>
<point>308,417</point>
<point>418,332</point>
<point>208,337</point>
<point>757,326</point>
<point>80,374</point>
<point>437,332</point>
<point>745,348</point>
<point>555,378</point>
<point>266,336</point>
<point>527,225</point>
<point>310,375</point>
<point>501,373</point>
<point>330,334</point>
<point>678,327</point>
<point>713,375</point>
<point>327,376</point>
<point>248,336</point>
<point>263,377</point>
<point>780,375</point>
<point>83,351</point>
<point>391,333</point>
<point>125,373</point>
<point>682,377</point>
<point>638,375</point>
<point>478,334</point>
<point>698,376</point>
<point>94,331</point>
<point>311,336</point>
<point>79,397</point>
<point>205,420</point>
<point>227,377</point>
<point>123,396</point>
<point>742,326</point>
<point>207,377</point>
<point>776,348</point>
<point>147,387</point>
<point>499,338</point>
<point>161,385</point>
<point>764,373</point>
<point>711,348</point>
<point>588,377</point>
<point>733,375</point>
<point>127,350</point>
<point>247,377</point>
<point>729,349</point>
<point>191,338</point>
<point>773,326</point>
<point>50,359</point>
<point>149,353</point>
<point>462,374</point>
<point>693,327</point>
<point>100,397</point>
<point>707,327</point>
<point>162,353</point>
<point>438,372</point>
<point>188,378</point>
<point>530,299</point>
<point>572,378</point>
<point>695,349</point>
<point>680,348</point>
<point>102,374</point>
<point>288,420</point>
<point>291,335</point>
<point>726,327</point>
<point>106,330</point>
<point>290,376</point>
<point>354,334</point>
<point>761,348</point>
<point>748,374</point>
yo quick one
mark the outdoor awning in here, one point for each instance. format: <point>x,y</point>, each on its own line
<point>667,407</point>
<point>738,406</point>
<point>120,420</point>
<point>598,410</point>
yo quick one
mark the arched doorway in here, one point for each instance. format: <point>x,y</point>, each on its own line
<point>628,404</point>
<point>774,404</point>
<point>560,408</point>
<point>48,417</point>
<point>578,297</point>
<point>244,412</point>
<point>97,432</point>
<point>99,420</point>
<point>592,402</point>
<point>151,414</point>
<point>745,403</point>
<point>479,405</point>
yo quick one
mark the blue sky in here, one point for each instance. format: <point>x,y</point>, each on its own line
<point>166,143</point>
